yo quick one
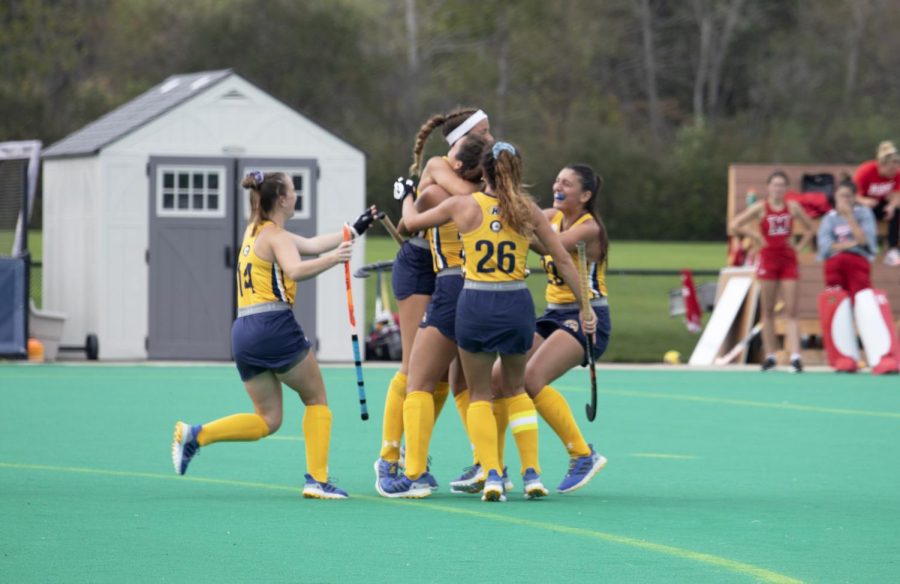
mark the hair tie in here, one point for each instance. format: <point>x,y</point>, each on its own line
<point>257,176</point>
<point>499,147</point>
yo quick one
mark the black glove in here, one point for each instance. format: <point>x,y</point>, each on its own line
<point>364,221</point>
<point>404,187</point>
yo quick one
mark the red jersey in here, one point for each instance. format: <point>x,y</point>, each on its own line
<point>870,183</point>
<point>776,226</point>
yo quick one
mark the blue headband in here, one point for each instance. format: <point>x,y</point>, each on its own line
<point>500,147</point>
<point>257,176</point>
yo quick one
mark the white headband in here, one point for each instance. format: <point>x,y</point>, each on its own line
<point>464,128</point>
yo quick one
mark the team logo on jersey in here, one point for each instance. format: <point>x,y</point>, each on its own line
<point>571,324</point>
<point>779,224</point>
<point>246,250</point>
<point>495,210</point>
<point>495,226</point>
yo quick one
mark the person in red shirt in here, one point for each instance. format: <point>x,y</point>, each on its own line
<point>878,188</point>
<point>769,224</point>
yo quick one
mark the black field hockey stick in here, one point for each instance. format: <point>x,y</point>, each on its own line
<point>586,313</point>
<point>363,410</point>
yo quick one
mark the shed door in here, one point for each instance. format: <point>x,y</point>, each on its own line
<point>304,172</point>
<point>191,263</point>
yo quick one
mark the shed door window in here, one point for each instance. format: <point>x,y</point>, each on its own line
<point>300,178</point>
<point>190,191</point>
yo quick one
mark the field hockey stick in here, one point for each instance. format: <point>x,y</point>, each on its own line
<point>363,410</point>
<point>742,345</point>
<point>391,229</point>
<point>586,311</point>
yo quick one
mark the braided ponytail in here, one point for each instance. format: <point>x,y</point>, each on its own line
<point>425,131</point>
<point>449,122</point>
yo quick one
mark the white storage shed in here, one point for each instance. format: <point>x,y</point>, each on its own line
<point>143,214</point>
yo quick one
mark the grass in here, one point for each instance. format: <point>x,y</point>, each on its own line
<point>642,328</point>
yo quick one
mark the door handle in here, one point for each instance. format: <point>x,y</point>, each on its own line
<point>229,257</point>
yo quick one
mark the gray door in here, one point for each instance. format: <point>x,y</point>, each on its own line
<point>304,173</point>
<point>191,258</point>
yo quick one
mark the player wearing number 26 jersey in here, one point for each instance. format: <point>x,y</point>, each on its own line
<point>495,312</point>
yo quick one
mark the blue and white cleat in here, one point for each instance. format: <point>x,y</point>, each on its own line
<point>404,487</point>
<point>534,488</point>
<point>581,470</point>
<point>384,470</point>
<point>313,489</point>
<point>184,446</point>
<point>470,481</point>
<point>493,488</point>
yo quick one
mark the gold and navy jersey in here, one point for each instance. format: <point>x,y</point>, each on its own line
<point>557,290</point>
<point>260,281</point>
<point>446,246</point>
<point>493,251</point>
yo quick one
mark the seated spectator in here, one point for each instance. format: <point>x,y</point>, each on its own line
<point>846,241</point>
<point>878,188</point>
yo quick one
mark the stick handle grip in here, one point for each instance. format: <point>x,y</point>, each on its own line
<point>348,285</point>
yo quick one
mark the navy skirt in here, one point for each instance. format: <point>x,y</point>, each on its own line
<point>268,341</point>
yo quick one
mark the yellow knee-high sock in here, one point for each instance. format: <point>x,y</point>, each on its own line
<point>236,428</point>
<point>441,391</point>
<point>523,423</point>
<point>554,408</point>
<point>317,436</point>
<point>483,429</point>
<point>418,418</point>
<point>462,405</point>
<point>501,418</point>
<point>392,423</point>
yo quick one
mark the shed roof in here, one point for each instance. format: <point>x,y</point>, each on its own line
<point>133,114</point>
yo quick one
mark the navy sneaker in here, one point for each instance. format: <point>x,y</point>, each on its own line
<point>470,481</point>
<point>404,487</point>
<point>581,470</point>
<point>534,488</point>
<point>184,446</point>
<point>493,488</point>
<point>313,489</point>
<point>768,364</point>
<point>384,470</point>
